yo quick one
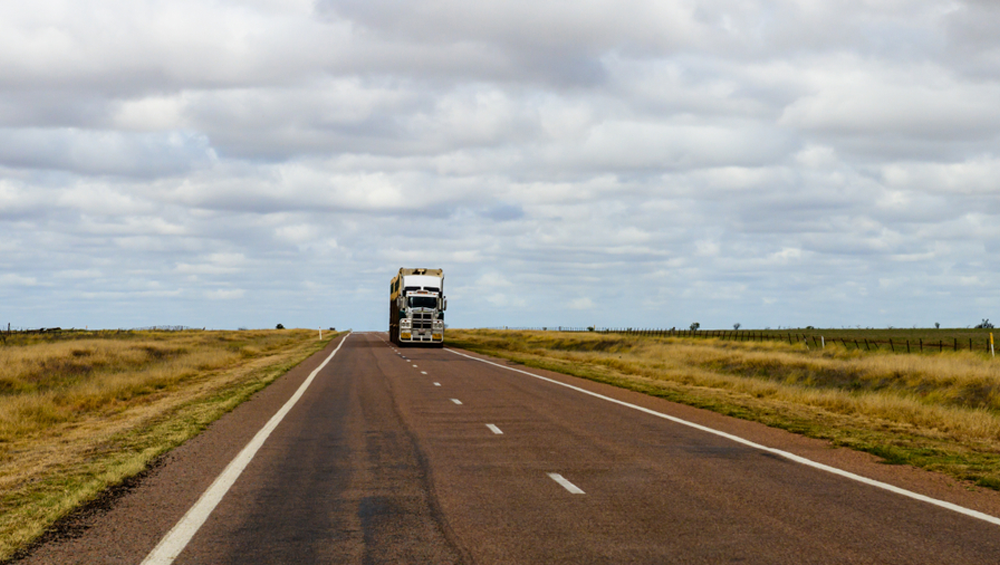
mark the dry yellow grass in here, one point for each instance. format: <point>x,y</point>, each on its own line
<point>81,412</point>
<point>939,411</point>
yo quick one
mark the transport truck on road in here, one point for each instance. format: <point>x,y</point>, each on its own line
<point>416,307</point>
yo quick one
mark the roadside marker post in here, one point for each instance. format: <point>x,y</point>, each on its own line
<point>992,351</point>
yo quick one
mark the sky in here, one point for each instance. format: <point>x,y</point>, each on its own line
<point>617,163</point>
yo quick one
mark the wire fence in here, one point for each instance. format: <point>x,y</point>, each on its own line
<point>812,340</point>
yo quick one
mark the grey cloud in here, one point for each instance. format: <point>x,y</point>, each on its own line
<point>971,33</point>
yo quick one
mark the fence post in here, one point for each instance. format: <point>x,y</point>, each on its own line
<point>921,345</point>
<point>956,345</point>
<point>907,346</point>
<point>891,346</point>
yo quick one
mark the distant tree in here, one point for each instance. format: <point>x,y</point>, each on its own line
<point>736,326</point>
<point>590,328</point>
<point>279,327</point>
<point>695,326</point>
<point>937,325</point>
<point>985,325</point>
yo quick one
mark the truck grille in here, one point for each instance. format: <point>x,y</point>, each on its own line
<point>422,320</point>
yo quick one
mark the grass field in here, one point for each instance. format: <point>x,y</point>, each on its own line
<point>81,411</point>
<point>936,410</point>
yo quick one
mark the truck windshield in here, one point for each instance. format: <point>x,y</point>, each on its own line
<point>423,302</point>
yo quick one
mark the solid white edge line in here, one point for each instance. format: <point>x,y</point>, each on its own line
<point>456,401</point>
<point>178,537</point>
<point>495,429</point>
<point>565,484</point>
<point>787,455</point>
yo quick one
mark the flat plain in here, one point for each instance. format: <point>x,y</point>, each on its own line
<point>391,455</point>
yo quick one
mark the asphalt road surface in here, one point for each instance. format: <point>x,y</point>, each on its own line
<point>431,456</point>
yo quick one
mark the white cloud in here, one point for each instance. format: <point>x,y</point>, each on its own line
<point>225,294</point>
<point>978,175</point>
<point>854,97</point>
<point>646,163</point>
<point>17,280</point>
<point>214,264</point>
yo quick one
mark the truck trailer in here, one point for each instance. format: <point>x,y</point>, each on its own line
<point>416,307</point>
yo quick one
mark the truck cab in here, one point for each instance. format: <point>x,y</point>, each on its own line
<point>417,305</point>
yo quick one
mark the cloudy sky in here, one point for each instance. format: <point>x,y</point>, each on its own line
<point>639,163</point>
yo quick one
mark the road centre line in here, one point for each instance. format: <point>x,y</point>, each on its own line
<point>785,454</point>
<point>178,537</point>
<point>437,384</point>
<point>495,429</point>
<point>565,484</point>
<point>456,401</point>
<point>423,372</point>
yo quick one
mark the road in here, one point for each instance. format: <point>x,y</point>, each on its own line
<point>432,456</point>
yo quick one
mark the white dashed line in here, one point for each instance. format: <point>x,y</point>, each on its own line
<point>494,429</point>
<point>414,366</point>
<point>437,384</point>
<point>423,372</point>
<point>781,453</point>
<point>456,401</point>
<point>565,484</point>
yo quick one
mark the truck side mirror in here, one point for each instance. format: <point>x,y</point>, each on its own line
<point>444,304</point>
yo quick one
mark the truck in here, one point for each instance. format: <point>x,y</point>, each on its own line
<point>416,307</point>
